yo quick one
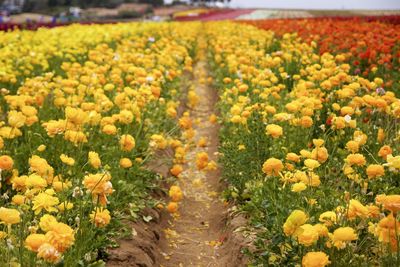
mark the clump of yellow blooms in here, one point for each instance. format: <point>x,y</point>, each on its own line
<point>307,144</point>
<point>84,108</point>
<point>308,140</point>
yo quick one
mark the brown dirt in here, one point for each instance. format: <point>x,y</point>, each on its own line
<point>199,235</point>
<point>203,233</point>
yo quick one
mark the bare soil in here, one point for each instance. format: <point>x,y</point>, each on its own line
<point>203,233</point>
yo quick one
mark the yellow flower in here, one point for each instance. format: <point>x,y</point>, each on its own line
<point>175,193</point>
<point>307,235</point>
<point>47,222</point>
<point>298,187</point>
<point>41,148</point>
<point>158,141</point>
<point>355,159</point>
<point>61,236</point>
<point>339,123</point>
<point>201,160</point>
<point>9,132</point>
<point>274,130</point>
<point>94,159</point>
<point>109,129</point>
<point>185,122</point>
<point>293,157</point>
<point>202,142</point>
<point>306,154</point>
<point>321,229</point>
<point>127,142</point>
<point>6,163</point>
<point>318,142</point>
<point>390,202</point>
<point>34,241</point>
<point>75,137</point>
<point>99,186</point>
<point>41,167</point>
<point>125,116</point>
<point>44,201</point>
<point>9,216</point>
<point>19,182</point>
<point>100,217</point>
<point>16,119</point>
<point>272,166</point>
<point>60,186</point>
<point>320,154</point>
<point>306,121</point>
<point>375,170</point>
<point>75,115</point>
<point>125,163</point>
<point>393,162</point>
<point>311,164</point>
<point>315,259</point>
<point>352,146</point>
<point>35,181</point>
<point>342,235</point>
<point>360,137</point>
<point>18,200</point>
<point>66,205</point>
<point>296,219</point>
<point>67,160</point>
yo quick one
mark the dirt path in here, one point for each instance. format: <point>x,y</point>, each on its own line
<point>202,233</point>
<point>193,237</point>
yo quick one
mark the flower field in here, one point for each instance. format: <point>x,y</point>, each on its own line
<point>309,140</point>
<point>308,147</point>
<point>80,118</point>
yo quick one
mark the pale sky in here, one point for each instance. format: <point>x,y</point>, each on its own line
<point>320,4</point>
<point>317,4</point>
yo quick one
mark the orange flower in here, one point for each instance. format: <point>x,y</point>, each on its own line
<point>315,259</point>
<point>356,209</point>
<point>274,130</point>
<point>201,160</point>
<point>34,241</point>
<point>355,159</point>
<point>272,166</point>
<point>375,171</point>
<point>6,163</point>
<point>172,207</point>
<point>384,152</point>
<point>390,202</point>
<point>176,170</point>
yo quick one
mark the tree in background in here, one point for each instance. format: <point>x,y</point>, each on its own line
<point>39,5</point>
<point>52,3</point>
<point>152,2</point>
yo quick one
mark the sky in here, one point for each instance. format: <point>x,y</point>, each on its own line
<point>318,4</point>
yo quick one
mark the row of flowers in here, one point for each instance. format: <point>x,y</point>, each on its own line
<point>371,47</point>
<point>309,147</point>
<point>83,108</point>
